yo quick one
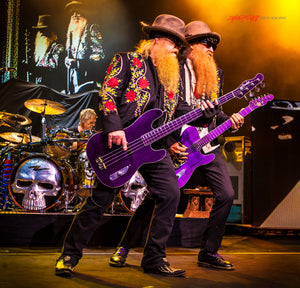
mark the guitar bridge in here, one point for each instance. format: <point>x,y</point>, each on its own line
<point>100,163</point>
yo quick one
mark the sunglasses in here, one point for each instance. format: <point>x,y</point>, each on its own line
<point>205,42</point>
<point>209,44</point>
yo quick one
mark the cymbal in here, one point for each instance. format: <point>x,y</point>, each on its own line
<point>7,144</point>
<point>15,119</point>
<point>3,114</point>
<point>19,138</point>
<point>3,122</point>
<point>41,105</point>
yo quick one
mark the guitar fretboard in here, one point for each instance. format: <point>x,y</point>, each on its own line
<point>172,126</point>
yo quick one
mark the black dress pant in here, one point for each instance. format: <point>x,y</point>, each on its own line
<point>163,186</point>
<point>217,178</point>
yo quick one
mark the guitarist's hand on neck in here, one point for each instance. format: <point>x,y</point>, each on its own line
<point>117,138</point>
<point>209,109</point>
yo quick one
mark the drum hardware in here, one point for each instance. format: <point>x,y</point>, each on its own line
<point>44,107</point>
<point>28,129</point>
<point>5,172</point>
<point>59,144</point>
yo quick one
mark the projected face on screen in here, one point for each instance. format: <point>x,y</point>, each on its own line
<point>63,48</point>
<point>83,47</point>
<point>47,53</point>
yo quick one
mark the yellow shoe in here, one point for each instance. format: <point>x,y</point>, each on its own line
<point>118,259</point>
<point>65,266</point>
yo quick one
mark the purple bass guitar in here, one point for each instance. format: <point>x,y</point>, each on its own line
<point>190,138</point>
<point>114,167</point>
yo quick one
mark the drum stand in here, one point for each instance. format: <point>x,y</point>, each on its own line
<point>28,128</point>
<point>44,123</point>
<point>66,201</point>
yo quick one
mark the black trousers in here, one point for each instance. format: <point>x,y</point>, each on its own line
<point>217,178</point>
<point>162,183</point>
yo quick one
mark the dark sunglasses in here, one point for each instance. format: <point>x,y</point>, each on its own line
<point>207,43</point>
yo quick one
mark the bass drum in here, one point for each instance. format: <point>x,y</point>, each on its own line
<point>39,183</point>
<point>131,195</point>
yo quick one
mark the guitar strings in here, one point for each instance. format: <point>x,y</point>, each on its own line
<point>118,154</point>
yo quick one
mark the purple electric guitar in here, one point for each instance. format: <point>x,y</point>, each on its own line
<point>114,167</point>
<point>190,138</point>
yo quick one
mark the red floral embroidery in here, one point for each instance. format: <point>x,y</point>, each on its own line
<point>143,83</point>
<point>109,69</point>
<point>113,82</point>
<point>130,95</point>
<point>170,95</point>
<point>110,106</point>
<point>137,62</point>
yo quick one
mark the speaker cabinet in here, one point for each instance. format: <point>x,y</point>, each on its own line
<point>275,162</point>
<point>235,150</point>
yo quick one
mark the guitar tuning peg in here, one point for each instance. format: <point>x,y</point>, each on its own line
<point>251,94</point>
<point>245,96</point>
<point>257,89</point>
<point>262,85</point>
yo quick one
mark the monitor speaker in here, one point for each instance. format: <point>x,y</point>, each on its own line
<point>275,165</point>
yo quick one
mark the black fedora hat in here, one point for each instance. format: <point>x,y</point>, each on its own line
<point>44,21</point>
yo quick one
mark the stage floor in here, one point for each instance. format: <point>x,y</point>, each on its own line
<point>259,262</point>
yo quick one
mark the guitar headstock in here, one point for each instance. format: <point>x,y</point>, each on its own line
<point>248,85</point>
<point>261,101</point>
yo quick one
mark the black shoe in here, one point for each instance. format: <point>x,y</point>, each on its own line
<point>118,259</point>
<point>214,260</point>
<point>165,270</point>
<point>65,266</point>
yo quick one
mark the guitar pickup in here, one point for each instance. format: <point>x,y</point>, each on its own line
<point>180,174</point>
<point>119,173</point>
<point>100,163</point>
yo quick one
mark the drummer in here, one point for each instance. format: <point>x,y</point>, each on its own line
<point>87,123</point>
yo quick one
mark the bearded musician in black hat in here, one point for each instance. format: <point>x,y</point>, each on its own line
<point>202,81</point>
<point>47,53</point>
<point>84,49</point>
<point>137,82</point>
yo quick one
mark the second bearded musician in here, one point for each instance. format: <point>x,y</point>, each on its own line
<point>203,80</point>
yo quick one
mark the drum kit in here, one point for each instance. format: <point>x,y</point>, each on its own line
<point>48,174</point>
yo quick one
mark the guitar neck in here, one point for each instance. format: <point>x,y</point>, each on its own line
<point>219,130</point>
<point>172,126</point>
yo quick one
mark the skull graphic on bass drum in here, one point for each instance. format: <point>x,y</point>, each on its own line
<point>37,178</point>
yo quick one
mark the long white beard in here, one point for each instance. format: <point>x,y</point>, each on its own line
<point>75,29</point>
<point>41,45</point>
